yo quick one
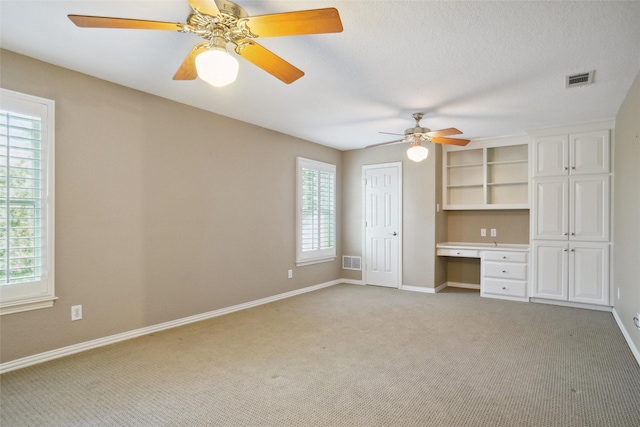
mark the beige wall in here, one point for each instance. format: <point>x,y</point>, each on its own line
<point>418,197</point>
<point>626,212</point>
<point>162,210</point>
<point>512,226</point>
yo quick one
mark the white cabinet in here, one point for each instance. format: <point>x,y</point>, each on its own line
<point>571,208</point>
<point>571,271</point>
<point>490,174</point>
<point>570,214</point>
<point>577,153</point>
<point>504,275</point>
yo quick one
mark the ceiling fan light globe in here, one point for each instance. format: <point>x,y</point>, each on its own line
<point>217,67</point>
<point>417,153</point>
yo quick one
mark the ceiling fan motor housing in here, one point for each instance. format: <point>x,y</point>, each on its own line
<point>417,129</point>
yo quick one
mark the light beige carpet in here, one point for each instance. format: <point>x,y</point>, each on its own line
<point>348,356</point>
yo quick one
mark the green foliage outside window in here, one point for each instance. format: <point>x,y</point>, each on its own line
<point>20,198</point>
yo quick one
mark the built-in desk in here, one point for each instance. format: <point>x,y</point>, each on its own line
<point>503,267</point>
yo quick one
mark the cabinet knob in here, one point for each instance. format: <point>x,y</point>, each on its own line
<point>573,250</point>
<point>504,257</point>
<point>566,168</point>
<point>573,234</point>
<point>504,288</point>
<point>504,271</point>
<point>457,253</point>
<point>565,234</point>
<point>573,168</point>
<point>566,250</point>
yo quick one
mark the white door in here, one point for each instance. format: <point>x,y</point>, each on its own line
<point>590,152</point>
<point>589,273</point>
<point>550,198</point>
<point>550,275</point>
<point>383,225</point>
<point>589,208</point>
<point>550,157</point>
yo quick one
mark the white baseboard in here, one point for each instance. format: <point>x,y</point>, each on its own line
<point>627,336</point>
<point>417,289</point>
<point>463,285</point>
<point>352,282</point>
<point>112,339</point>
<point>424,290</point>
<point>571,304</point>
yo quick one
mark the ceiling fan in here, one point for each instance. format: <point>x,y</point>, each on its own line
<point>417,135</point>
<point>222,22</point>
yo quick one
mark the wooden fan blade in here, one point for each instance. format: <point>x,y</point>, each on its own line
<point>187,70</point>
<point>138,24</point>
<point>205,6</point>
<point>443,132</point>
<point>269,62</point>
<point>450,141</point>
<point>316,21</point>
<point>384,143</point>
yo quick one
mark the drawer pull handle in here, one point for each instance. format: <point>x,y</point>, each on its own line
<point>504,271</point>
<point>504,288</point>
<point>457,253</point>
<point>504,257</point>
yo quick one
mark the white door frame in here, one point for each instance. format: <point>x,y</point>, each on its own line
<point>363,218</point>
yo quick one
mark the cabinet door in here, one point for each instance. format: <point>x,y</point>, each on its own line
<point>551,208</point>
<point>589,152</point>
<point>589,273</point>
<point>550,260</point>
<point>551,155</point>
<point>589,208</point>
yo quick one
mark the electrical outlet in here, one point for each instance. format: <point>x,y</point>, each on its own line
<point>494,232</point>
<point>483,232</point>
<point>76,312</point>
<point>290,274</point>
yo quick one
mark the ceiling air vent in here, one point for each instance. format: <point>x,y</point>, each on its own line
<point>579,79</point>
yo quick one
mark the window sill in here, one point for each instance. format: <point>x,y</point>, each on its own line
<point>314,261</point>
<point>26,305</point>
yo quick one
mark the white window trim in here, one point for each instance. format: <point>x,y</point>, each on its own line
<point>15,298</point>
<point>322,255</point>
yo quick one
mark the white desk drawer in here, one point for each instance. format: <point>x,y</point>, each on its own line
<point>505,270</point>
<point>505,256</point>
<point>505,287</point>
<point>465,253</point>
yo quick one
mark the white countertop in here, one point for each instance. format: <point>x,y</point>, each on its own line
<point>483,246</point>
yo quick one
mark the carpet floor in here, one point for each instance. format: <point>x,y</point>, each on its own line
<point>348,356</point>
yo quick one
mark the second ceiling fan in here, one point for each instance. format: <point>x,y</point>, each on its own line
<point>417,135</point>
<point>222,22</point>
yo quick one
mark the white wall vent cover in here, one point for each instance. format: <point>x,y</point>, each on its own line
<point>579,79</point>
<point>351,263</point>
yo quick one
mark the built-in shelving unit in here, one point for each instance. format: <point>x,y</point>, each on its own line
<point>489,174</point>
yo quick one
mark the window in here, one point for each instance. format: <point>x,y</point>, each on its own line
<point>26,202</point>
<point>316,212</point>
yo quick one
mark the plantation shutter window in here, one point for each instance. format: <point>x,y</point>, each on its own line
<point>26,202</point>
<point>316,213</point>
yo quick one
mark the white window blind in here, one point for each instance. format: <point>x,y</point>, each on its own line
<point>316,221</point>
<point>26,203</point>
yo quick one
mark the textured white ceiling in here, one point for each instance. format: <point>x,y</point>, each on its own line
<point>488,68</point>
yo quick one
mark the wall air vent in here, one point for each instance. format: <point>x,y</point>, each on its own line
<point>351,263</point>
<point>579,79</point>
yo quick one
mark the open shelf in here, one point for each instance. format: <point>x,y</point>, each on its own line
<point>492,175</point>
